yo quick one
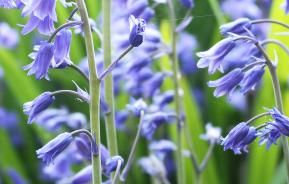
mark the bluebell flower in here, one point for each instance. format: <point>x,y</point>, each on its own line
<point>163,146</point>
<point>228,83</point>
<point>137,107</point>
<point>111,164</point>
<point>153,166</point>
<point>286,6</point>
<point>137,29</point>
<point>239,26</point>
<point>8,37</point>
<point>153,84</point>
<point>85,147</point>
<point>39,104</point>
<point>54,147</point>
<point>238,9</point>
<point>269,135</point>
<point>281,122</point>
<point>213,134</point>
<point>187,3</point>
<point>7,4</point>
<point>42,16</point>
<point>84,176</point>
<point>251,78</point>
<point>120,119</point>
<point>164,99</point>
<point>15,177</point>
<point>137,7</point>
<point>41,61</point>
<point>62,49</point>
<point>151,122</point>
<point>213,57</point>
<point>239,137</point>
<point>147,14</point>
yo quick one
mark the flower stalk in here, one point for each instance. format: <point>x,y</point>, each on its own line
<point>94,91</point>
<point>178,106</point>
<point>108,82</point>
<point>278,101</point>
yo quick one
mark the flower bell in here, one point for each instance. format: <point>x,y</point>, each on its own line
<point>137,29</point>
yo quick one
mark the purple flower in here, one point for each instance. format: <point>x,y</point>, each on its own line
<point>238,26</point>
<point>227,83</point>
<point>251,78</point>
<point>164,99</point>
<point>54,147</point>
<point>153,84</point>
<point>85,147</point>
<point>62,49</point>
<point>137,106</point>
<point>111,164</point>
<point>42,16</point>
<point>239,137</point>
<point>15,177</point>
<point>269,135</point>
<point>137,7</point>
<point>39,104</point>
<point>281,122</point>
<point>147,14</point>
<point>151,122</point>
<point>163,146</point>
<point>285,5</point>
<point>213,57</point>
<point>137,29</point>
<point>84,176</point>
<point>120,119</point>
<point>187,3</point>
<point>153,166</point>
<point>7,4</point>
<point>41,61</point>
<point>212,134</point>
<point>8,36</point>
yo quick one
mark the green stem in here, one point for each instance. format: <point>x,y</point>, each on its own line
<point>69,92</point>
<point>216,10</point>
<point>108,82</point>
<point>178,106</point>
<point>94,91</point>
<point>278,101</point>
<point>76,68</point>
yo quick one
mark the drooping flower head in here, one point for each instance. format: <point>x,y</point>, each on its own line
<point>54,147</point>
<point>62,49</point>
<point>239,137</point>
<point>137,29</point>
<point>252,78</point>
<point>8,37</point>
<point>39,104</point>
<point>187,3</point>
<point>228,83</point>
<point>42,15</point>
<point>281,122</point>
<point>238,26</point>
<point>111,164</point>
<point>269,135</point>
<point>41,61</point>
<point>213,57</point>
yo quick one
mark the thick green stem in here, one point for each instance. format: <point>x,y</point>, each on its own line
<point>278,101</point>
<point>178,105</point>
<point>108,82</point>
<point>94,91</point>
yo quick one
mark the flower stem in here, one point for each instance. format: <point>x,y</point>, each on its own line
<point>257,117</point>
<point>66,25</point>
<point>69,92</point>
<point>76,68</point>
<point>272,21</point>
<point>94,91</point>
<point>133,148</point>
<point>277,42</point>
<point>178,106</point>
<point>108,83</point>
<point>113,64</point>
<point>278,101</point>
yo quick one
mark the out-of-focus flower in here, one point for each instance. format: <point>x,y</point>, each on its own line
<point>137,29</point>
<point>228,83</point>
<point>136,7</point>
<point>41,61</point>
<point>238,9</point>
<point>239,26</point>
<point>152,166</point>
<point>42,16</point>
<point>153,84</point>
<point>15,176</point>
<point>161,100</point>
<point>84,176</point>
<point>239,137</point>
<point>187,3</point>
<point>39,104</point>
<point>213,134</point>
<point>147,14</point>
<point>251,78</point>
<point>54,147</point>
<point>85,146</point>
<point>62,49</point>
<point>213,57</point>
<point>163,146</point>
<point>137,106</point>
<point>7,4</point>
<point>285,5</point>
<point>8,37</point>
